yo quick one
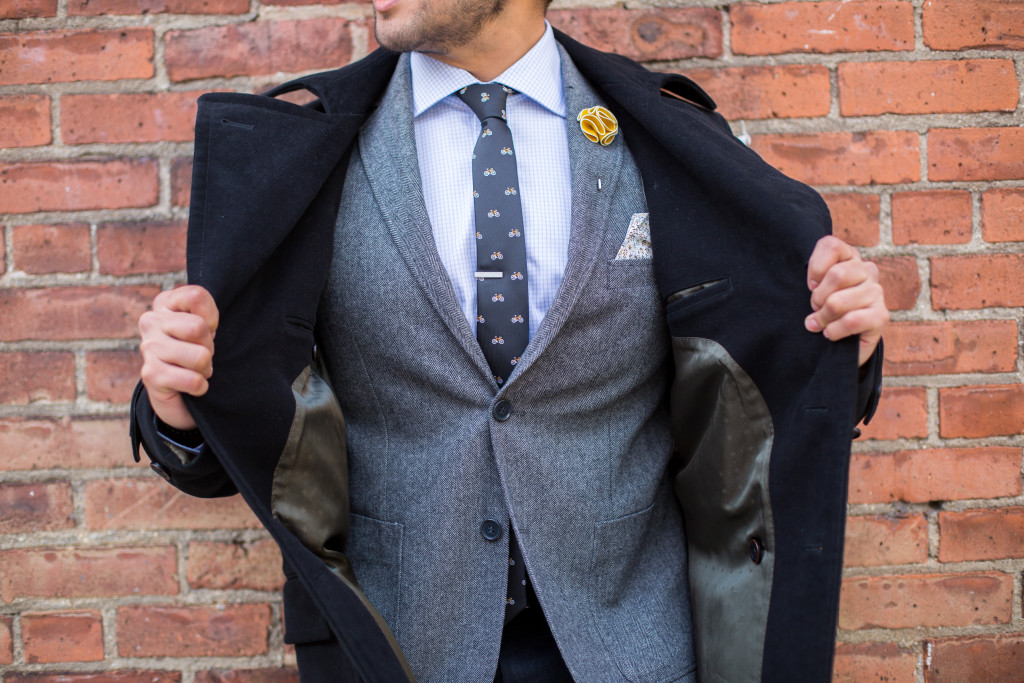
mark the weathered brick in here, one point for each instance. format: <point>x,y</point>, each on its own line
<point>143,247</point>
<point>979,411</point>
<point>963,282</point>
<point>927,87</point>
<point>854,217</point>
<point>232,566</point>
<point>981,534</point>
<point>976,153</point>
<point>875,157</point>
<point>991,658</point>
<point>128,117</point>
<point>98,677</point>
<point>645,34</point>
<point>72,312</point>
<point>103,7</point>
<point>931,217</point>
<point>30,376</point>
<point>6,642</point>
<point>949,347</point>
<point>877,540</point>
<point>77,185</point>
<point>981,24</point>
<point>111,375</point>
<point>150,503</point>
<point>928,600</point>
<point>366,25</point>
<point>87,572</point>
<point>181,181</point>
<point>62,636</point>
<point>287,675</point>
<point>767,92</point>
<point>63,443</point>
<point>85,55</point>
<point>225,630</point>
<point>1002,215</point>
<point>26,120</point>
<point>901,281</point>
<point>935,475</point>
<point>40,249</point>
<point>260,48</point>
<point>902,414</point>
<point>21,9</point>
<point>859,662</point>
<point>39,506</point>
<point>823,27</point>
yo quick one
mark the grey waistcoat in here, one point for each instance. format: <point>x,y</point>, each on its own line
<point>579,468</point>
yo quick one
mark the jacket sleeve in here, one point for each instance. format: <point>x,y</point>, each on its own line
<point>200,475</point>
<point>869,387</point>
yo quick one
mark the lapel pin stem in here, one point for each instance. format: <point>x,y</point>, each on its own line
<point>598,184</point>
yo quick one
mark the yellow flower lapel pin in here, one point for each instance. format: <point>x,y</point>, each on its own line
<point>598,124</point>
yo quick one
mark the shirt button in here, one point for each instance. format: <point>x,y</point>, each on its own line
<point>502,410</point>
<point>490,530</point>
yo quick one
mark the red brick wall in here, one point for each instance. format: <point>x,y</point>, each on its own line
<point>905,113</point>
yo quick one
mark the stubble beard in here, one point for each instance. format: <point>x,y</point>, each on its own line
<point>435,32</point>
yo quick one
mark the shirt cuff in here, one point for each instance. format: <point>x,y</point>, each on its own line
<point>186,444</point>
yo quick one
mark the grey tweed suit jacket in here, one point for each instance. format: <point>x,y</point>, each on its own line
<point>578,469</point>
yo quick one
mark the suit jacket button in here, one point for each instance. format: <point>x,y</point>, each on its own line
<point>502,410</point>
<point>161,470</point>
<point>490,530</point>
<point>756,551</point>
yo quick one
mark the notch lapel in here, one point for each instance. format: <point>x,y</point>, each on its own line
<point>387,146</point>
<point>588,162</point>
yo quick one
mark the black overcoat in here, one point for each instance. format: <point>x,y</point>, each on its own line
<point>731,239</point>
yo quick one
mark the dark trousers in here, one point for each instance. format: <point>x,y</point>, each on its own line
<point>528,651</point>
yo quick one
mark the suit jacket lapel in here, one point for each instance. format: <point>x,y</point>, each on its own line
<point>588,163</point>
<point>387,146</point>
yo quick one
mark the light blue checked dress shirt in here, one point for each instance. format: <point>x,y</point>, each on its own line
<point>446,130</point>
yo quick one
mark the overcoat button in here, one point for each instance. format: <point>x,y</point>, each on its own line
<point>756,551</point>
<point>502,410</point>
<point>490,530</point>
<point>159,469</point>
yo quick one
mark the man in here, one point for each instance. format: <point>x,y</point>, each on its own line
<point>511,510</point>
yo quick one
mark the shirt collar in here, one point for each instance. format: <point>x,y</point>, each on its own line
<point>537,74</point>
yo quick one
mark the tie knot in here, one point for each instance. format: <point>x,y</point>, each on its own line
<point>487,100</point>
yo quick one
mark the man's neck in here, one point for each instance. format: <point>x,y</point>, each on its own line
<point>501,44</point>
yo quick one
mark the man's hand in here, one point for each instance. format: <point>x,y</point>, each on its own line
<point>177,350</point>
<point>846,296</point>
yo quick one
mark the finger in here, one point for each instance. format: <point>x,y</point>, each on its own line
<point>844,275</point>
<point>867,320</point>
<point>189,299</point>
<point>828,251</point>
<point>188,328</point>
<point>841,302</point>
<point>164,381</point>
<point>170,351</point>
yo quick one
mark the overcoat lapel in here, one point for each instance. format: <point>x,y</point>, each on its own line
<point>387,147</point>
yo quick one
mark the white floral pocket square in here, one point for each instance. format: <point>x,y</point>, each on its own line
<point>637,244</point>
